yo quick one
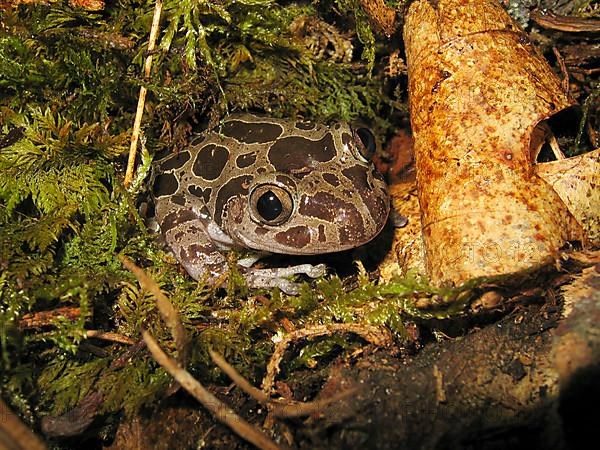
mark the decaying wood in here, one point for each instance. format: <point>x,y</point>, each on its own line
<point>452,394</point>
<point>75,421</point>
<point>478,88</point>
<point>43,319</point>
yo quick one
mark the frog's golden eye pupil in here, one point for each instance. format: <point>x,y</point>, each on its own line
<point>269,206</point>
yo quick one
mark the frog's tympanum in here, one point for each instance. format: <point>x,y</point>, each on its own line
<point>269,186</point>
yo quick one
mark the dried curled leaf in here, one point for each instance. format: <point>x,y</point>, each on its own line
<point>478,88</point>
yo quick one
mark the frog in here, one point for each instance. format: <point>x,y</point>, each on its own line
<point>265,186</point>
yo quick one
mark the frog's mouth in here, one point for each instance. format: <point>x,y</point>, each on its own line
<point>297,240</point>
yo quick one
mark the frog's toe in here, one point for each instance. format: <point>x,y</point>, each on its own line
<point>265,278</point>
<point>314,271</point>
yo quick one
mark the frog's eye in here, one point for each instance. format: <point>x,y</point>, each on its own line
<point>271,204</point>
<point>366,143</point>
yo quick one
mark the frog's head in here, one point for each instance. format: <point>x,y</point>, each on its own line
<point>321,194</point>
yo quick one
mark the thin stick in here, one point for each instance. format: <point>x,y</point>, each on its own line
<point>218,409</point>
<point>135,135</point>
<point>548,19</point>
<point>109,336</point>
<point>239,380</point>
<point>563,69</point>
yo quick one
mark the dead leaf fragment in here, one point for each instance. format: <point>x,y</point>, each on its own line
<point>577,182</point>
<point>477,90</point>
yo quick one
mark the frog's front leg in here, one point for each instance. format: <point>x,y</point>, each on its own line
<point>187,232</point>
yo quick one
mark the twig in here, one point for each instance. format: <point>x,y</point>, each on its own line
<point>548,19</point>
<point>43,319</point>
<point>166,309</point>
<point>109,336</point>
<point>376,336</point>
<point>563,68</point>
<point>221,411</point>
<point>281,408</point>
<point>239,380</point>
<point>142,97</point>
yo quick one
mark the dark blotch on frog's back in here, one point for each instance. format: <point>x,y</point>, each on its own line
<point>251,133</point>
<point>344,215</point>
<point>332,179</point>
<point>210,161</point>
<point>245,160</point>
<point>175,162</point>
<point>164,184</point>
<point>293,153</point>
<point>359,176</point>
<point>235,186</point>
<point>204,194</point>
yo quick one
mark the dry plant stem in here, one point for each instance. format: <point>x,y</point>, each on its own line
<point>565,23</point>
<point>166,309</point>
<point>135,135</point>
<point>218,409</point>
<point>239,380</point>
<point>109,336</point>
<point>563,69</point>
<point>14,434</point>
<point>279,408</point>
<point>376,336</point>
<point>42,319</point>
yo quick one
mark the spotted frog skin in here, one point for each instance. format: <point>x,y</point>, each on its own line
<point>269,186</point>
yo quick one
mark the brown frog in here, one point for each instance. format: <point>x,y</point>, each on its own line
<point>269,186</point>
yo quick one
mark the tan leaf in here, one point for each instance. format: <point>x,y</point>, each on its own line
<point>478,88</point>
